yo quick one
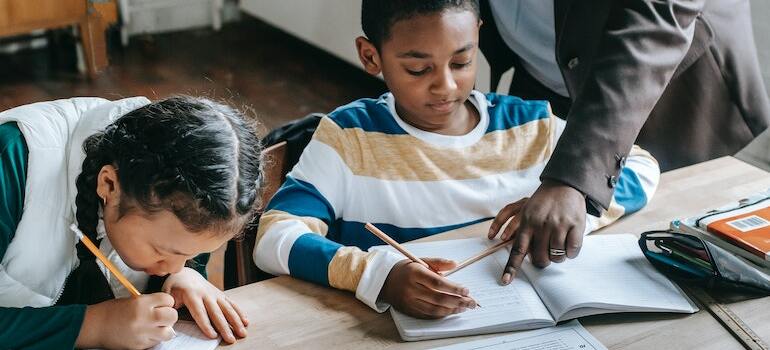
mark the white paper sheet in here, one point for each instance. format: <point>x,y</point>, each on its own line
<point>610,274</point>
<point>188,337</point>
<point>568,336</point>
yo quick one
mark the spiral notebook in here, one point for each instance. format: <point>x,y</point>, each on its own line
<point>610,275</point>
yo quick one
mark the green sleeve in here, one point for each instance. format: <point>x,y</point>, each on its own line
<point>199,262</point>
<point>13,176</point>
<point>54,327</point>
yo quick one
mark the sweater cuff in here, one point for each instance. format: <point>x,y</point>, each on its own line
<point>374,276</point>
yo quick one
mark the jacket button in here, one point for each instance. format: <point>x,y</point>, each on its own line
<point>612,181</point>
<point>573,63</point>
<point>621,160</point>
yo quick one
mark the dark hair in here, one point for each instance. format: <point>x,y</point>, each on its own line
<point>377,16</point>
<point>192,156</point>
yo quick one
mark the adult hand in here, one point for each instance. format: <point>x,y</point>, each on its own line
<point>552,219</point>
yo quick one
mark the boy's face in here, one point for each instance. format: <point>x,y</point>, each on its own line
<point>429,64</point>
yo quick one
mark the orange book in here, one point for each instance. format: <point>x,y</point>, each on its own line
<point>747,227</point>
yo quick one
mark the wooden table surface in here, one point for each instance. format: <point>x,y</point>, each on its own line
<point>287,313</point>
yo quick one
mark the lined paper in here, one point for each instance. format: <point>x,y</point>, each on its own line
<point>610,274</point>
<point>569,336</point>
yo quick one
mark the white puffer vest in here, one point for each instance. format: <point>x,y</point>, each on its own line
<point>42,252</point>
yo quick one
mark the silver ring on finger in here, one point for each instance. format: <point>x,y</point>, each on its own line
<point>557,252</point>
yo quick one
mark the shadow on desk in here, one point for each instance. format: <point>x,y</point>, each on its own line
<point>728,296</point>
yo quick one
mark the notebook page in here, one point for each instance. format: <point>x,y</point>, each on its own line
<point>610,273</point>
<point>570,335</point>
<point>188,337</point>
<point>504,308</point>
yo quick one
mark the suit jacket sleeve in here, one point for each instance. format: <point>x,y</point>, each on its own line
<point>642,44</point>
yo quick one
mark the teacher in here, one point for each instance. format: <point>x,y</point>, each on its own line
<point>679,77</point>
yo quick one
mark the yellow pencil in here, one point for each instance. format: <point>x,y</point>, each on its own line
<point>115,272</point>
<point>390,241</point>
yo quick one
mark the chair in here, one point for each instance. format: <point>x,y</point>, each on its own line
<point>92,17</point>
<point>239,251</point>
<point>288,141</point>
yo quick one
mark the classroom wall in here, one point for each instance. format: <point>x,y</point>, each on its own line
<point>334,24</point>
<point>330,24</point>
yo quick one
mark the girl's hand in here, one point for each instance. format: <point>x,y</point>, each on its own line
<point>128,323</point>
<point>417,291</point>
<point>207,304</point>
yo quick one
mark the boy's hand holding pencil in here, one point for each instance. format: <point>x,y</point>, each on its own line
<point>421,292</point>
<point>416,286</point>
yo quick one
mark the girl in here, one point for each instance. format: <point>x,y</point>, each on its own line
<point>152,184</point>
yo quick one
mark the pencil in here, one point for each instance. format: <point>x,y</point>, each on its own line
<point>373,229</point>
<point>478,257</point>
<point>115,272</point>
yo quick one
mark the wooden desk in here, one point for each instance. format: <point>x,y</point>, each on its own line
<point>287,313</point>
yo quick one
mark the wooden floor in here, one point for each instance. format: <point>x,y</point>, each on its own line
<point>254,66</point>
<point>249,63</point>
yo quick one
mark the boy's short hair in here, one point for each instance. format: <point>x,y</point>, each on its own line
<point>377,16</point>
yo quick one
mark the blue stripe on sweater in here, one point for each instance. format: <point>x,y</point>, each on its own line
<point>506,112</point>
<point>310,256</point>
<point>629,192</point>
<point>301,198</point>
<point>367,114</point>
<point>352,233</point>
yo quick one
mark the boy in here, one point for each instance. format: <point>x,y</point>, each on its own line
<point>430,156</point>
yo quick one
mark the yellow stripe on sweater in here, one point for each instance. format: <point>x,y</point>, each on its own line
<point>273,216</point>
<point>614,211</point>
<point>638,151</point>
<point>407,158</point>
<point>347,267</point>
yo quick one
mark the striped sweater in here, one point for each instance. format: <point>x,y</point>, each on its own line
<point>365,164</point>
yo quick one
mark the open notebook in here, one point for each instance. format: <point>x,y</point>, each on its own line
<point>610,275</point>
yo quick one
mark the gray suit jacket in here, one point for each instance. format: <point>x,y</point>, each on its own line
<point>679,77</point>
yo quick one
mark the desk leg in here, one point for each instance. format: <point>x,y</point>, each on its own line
<point>94,43</point>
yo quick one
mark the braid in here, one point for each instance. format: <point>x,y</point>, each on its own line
<point>87,201</point>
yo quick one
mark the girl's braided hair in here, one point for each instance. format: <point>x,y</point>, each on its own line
<point>192,156</point>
